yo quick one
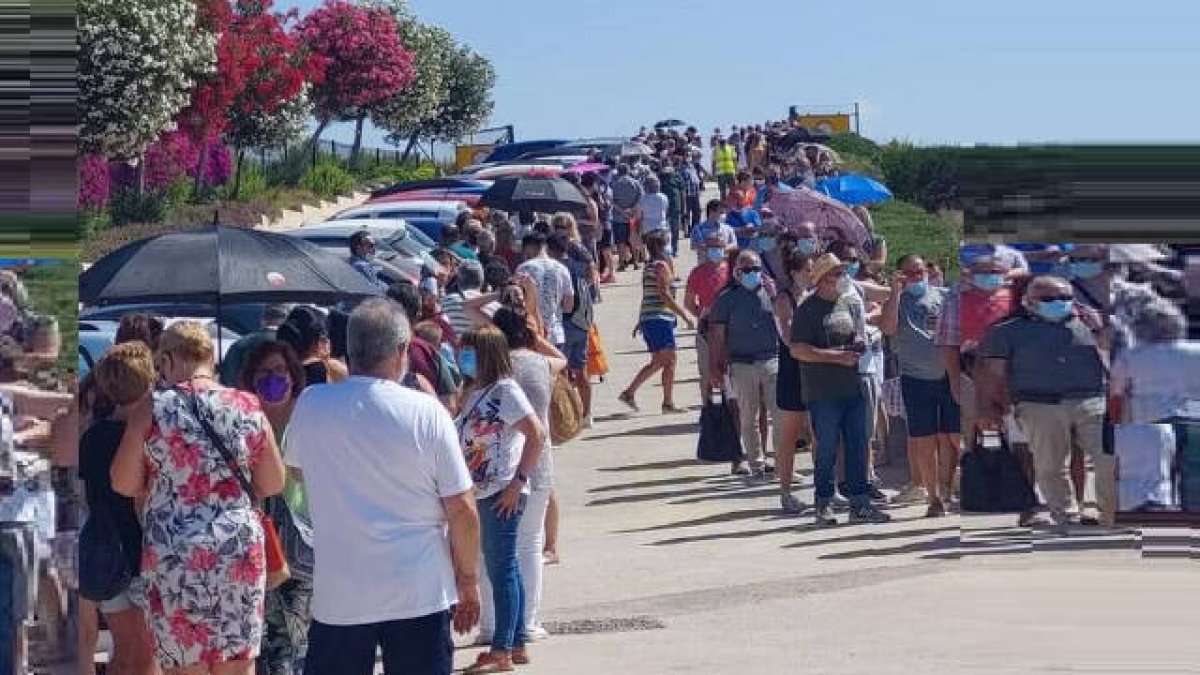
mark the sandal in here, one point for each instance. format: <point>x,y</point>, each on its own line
<point>520,656</point>
<point>627,399</point>
<point>672,409</point>
<point>490,662</point>
<point>550,558</point>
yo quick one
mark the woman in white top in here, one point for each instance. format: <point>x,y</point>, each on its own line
<point>503,440</point>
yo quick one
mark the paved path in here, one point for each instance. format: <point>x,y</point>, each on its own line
<point>651,538</point>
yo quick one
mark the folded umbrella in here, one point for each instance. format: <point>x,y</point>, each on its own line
<point>540,194</point>
<point>220,264</point>
<point>832,218</point>
<point>854,190</point>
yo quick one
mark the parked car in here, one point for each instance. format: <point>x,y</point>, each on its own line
<point>447,183</point>
<point>470,197</point>
<point>400,255</point>
<point>240,318</point>
<point>553,168</point>
<point>511,151</point>
<point>96,337</point>
<point>427,216</point>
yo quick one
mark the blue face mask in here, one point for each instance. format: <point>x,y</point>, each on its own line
<point>1086,270</point>
<point>766,244</point>
<point>751,280</point>
<point>852,269</point>
<point>1054,310</point>
<point>466,362</point>
<point>988,282</point>
<point>806,245</point>
<point>715,254</point>
<point>917,289</point>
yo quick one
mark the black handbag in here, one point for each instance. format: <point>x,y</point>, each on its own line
<point>992,480</point>
<point>104,571</point>
<point>720,440</point>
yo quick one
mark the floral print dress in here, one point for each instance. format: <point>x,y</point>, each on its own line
<point>203,573</point>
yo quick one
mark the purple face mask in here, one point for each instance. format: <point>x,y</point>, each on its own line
<point>272,388</point>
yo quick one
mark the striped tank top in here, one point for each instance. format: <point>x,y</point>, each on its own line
<point>653,305</point>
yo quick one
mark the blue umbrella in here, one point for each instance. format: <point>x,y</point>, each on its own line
<point>854,190</point>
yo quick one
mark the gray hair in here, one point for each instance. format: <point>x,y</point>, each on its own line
<point>470,275</point>
<point>1158,321</point>
<point>376,330</point>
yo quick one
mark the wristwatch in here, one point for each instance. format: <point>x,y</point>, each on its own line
<point>522,477</point>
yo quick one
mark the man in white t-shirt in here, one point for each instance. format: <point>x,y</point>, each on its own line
<point>549,281</point>
<point>396,531</point>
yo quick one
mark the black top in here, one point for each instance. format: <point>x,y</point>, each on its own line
<point>97,449</point>
<point>315,373</point>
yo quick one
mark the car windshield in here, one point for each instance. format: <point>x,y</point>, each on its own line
<point>410,236</point>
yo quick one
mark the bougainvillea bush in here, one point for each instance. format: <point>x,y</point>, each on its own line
<point>94,185</point>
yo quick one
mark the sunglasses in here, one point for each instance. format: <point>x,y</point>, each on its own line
<point>1053,298</point>
<point>750,269</point>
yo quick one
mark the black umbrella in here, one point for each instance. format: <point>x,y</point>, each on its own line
<point>220,264</point>
<point>541,194</point>
<point>670,124</point>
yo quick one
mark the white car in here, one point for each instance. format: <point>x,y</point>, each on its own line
<point>427,216</point>
<point>401,254</point>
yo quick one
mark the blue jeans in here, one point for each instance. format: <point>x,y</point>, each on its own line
<point>846,420</point>
<point>499,539</point>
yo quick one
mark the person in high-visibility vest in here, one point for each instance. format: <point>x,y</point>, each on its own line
<point>725,164</point>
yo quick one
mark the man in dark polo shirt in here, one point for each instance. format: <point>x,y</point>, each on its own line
<point>742,342</point>
<point>1046,362</point>
<point>826,342</point>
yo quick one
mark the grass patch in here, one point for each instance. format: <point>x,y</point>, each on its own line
<point>54,291</point>
<point>910,229</point>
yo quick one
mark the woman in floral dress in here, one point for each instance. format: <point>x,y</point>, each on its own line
<point>203,563</point>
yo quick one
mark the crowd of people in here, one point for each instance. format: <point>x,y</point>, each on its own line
<point>415,429</point>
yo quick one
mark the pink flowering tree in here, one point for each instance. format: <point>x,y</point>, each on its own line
<point>365,62</point>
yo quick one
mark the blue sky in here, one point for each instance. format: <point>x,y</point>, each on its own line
<point>929,71</point>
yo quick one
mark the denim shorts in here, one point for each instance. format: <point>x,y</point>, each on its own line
<point>120,603</point>
<point>575,349</point>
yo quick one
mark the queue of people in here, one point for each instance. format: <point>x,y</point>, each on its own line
<point>303,424</point>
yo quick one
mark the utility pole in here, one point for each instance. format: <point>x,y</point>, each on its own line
<point>857,132</point>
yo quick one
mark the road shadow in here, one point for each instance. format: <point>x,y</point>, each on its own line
<point>653,432</point>
<point>940,544</point>
<point>718,536</point>
<point>662,465</point>
<point>727,517</point>
<point>660,482</point>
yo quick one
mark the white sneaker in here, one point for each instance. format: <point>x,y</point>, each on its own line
<point>588,422</point>
<point>536,634</point>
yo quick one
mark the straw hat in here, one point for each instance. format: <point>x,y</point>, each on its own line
<point>824,265</point>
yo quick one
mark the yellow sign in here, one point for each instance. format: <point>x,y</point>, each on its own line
<point>466,155</point>
<point>830,124</point>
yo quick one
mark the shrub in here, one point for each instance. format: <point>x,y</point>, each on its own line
<point>853,144</point>
<point>127,206</point>
<point>253,184</point>
<point>328,180</point>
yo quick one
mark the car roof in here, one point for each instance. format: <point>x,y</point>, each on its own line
<point>418,205</point>
<point>380,228</point>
